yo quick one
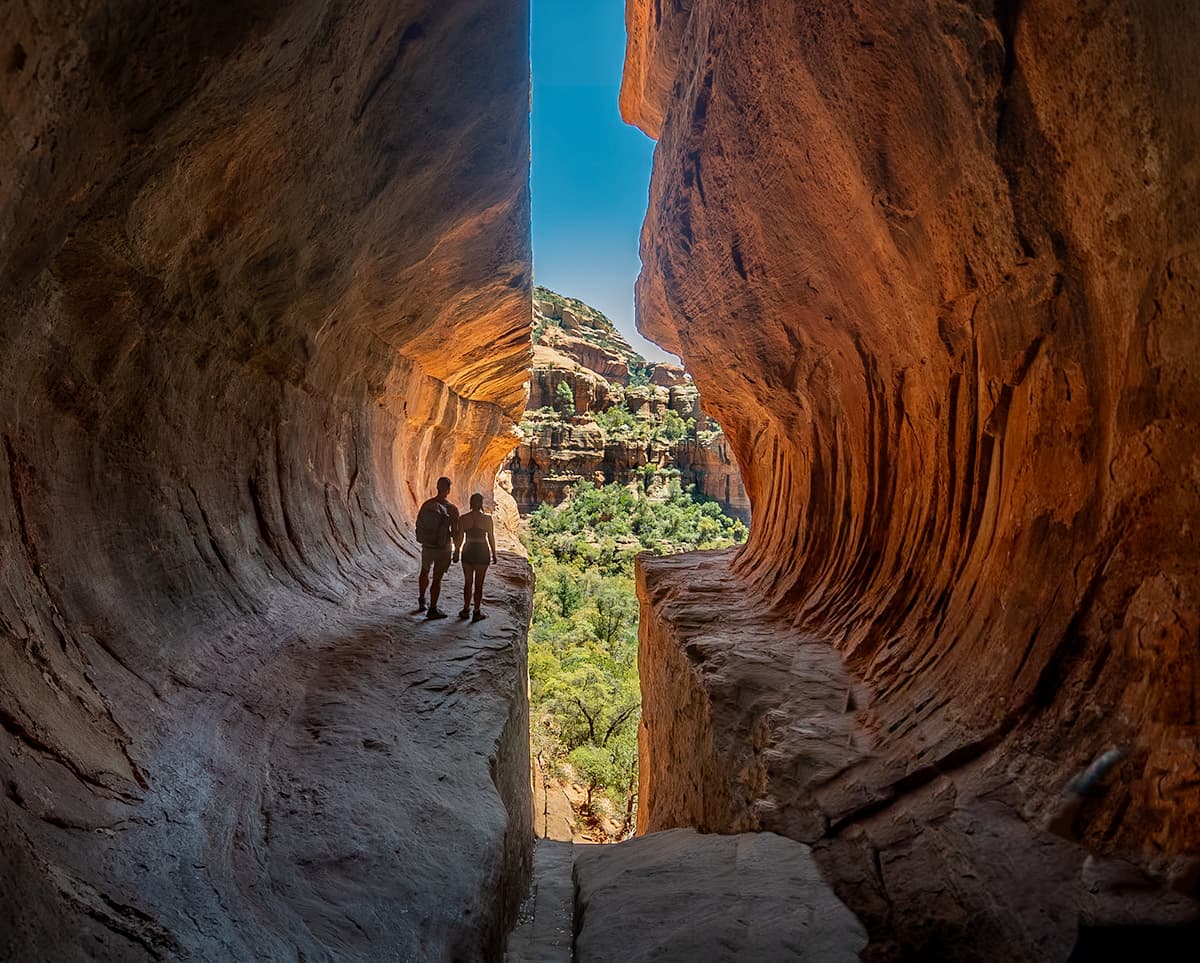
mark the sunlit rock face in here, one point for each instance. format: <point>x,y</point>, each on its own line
<point>935,269</point>
<point>265,276</point>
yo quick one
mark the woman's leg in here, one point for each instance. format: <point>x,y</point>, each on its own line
<point>468,573</point>
<point>480,572</point>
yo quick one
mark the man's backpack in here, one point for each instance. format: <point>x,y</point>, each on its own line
<point>433,525</point>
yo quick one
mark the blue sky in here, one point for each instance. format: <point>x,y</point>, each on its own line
<point>591,172</point>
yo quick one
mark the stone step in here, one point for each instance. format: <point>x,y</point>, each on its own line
<point>681,897</point>
<point>544,932</point>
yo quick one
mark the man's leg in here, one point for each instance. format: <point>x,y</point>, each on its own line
<point>423,580</point>
<point>435,589</point>
<point>435,586</point>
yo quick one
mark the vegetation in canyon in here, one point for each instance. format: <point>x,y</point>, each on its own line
<point>585,699</point>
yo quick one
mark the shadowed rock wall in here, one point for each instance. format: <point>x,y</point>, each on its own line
<point>935,269</point>
<point>265,275</point>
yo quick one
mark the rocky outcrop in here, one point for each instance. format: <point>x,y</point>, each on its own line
<point>753,724</point>
<point>669,376</point>
<point>708,464</point>
<point>590,390</point>
<point>579,347</point>
<point>264,275</point>
<point>555,455</point>
<point>934,269</point>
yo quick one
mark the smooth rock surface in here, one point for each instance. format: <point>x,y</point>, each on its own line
<point>264,275</point>
<point>681,896</point>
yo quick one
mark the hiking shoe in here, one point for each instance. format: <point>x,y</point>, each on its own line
<point>465,614</point>
<point>478,616</point>
<point>435,613</point>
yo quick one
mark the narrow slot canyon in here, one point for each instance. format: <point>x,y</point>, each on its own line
<point>266,274</point>
<point>617,458</point>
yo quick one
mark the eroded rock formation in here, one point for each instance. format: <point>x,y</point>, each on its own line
<point>265,275</point>
<point>577,346</point>
<point>935,269</point>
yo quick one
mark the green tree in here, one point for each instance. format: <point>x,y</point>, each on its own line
<point>674,427</point>
<point>567,592</point>
<point>614,614</point>
<point>564,399</point>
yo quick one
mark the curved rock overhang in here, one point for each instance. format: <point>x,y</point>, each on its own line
<point>266,274</point>
<point>936,268</point>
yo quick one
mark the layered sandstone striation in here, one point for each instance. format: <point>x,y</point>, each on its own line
<point>264,275</point>
<point>935,270</point>
<point>608,424</point>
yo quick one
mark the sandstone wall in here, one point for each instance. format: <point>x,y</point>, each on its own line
<point>265,275</point>
<point>710,466</point>
<point>934,267</point>
<point>546,464</point>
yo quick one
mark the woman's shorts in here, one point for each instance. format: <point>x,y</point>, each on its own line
<point>476,554</point>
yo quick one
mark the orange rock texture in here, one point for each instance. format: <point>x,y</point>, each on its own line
<point>264,275</point>
<point>935,269</point>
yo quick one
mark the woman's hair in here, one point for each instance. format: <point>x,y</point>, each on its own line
<point>477,501</point>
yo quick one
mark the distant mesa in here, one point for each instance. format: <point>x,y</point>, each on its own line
<point>600,411</point>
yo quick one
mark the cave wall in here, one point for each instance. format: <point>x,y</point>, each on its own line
<point>935,269</point>
<point>264,275</point>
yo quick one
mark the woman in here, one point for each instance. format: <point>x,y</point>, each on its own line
<point>477,529</point>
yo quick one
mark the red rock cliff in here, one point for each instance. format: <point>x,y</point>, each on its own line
<point>265,275</point>
<point>935,268</point>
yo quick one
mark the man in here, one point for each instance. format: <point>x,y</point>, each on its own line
<point>437,530</point>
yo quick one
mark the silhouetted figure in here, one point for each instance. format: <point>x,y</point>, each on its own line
<point>477,553</point>
<point>440,536</point>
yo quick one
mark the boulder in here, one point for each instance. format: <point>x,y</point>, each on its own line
<point>667,375</point>
<point>684,399</point>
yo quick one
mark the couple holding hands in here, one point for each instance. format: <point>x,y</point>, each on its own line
<point>442,532</point>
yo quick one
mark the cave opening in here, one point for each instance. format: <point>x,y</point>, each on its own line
<point>617,455</point>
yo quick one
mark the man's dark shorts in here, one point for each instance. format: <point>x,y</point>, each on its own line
<point>436,558</point>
